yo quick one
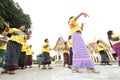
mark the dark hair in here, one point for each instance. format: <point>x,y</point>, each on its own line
<point>69,37</point>
<point>46,40</point>
<point>65,42</point>
<point>109,33</point>
<point>70,18</point>
<point>19,25</point>
<point>98,41</point>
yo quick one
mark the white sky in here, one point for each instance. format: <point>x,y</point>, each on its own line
<point>50,19</point>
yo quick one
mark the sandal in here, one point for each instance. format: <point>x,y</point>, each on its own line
<point>11,72</point>
<point>5,71</point>
<point>50,68</point>
<point>76,70</point>
<point>43,68</point>
<point>92,70</point>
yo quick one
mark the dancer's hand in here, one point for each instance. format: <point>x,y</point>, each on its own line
<point>29,32</point>
<point>7,24</point>
<point>85,14</point>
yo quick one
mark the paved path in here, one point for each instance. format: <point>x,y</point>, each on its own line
<point>108,72</point>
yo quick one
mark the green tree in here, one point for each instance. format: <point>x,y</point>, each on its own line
<point>13,13</point>
<point>1,23</point>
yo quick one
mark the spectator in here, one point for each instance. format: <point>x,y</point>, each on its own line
<point>66,55</point>
<point>102,50</point>
<point>29,54</point>
<point>114,40</point>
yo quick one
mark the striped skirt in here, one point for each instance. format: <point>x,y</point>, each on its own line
<point>116,48</point>
<point>13,54</point>
<point>81,56</point>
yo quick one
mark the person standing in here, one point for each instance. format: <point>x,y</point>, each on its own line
<point>81,55</point>
<point>14,46</point>
<point>22,58</point>
<point>3,44</point>
<point>46,54</point>
<point>29,53</point>
<point>66,55</point>
<point>114,40</point>
<point>70,51</point>
<point>102,50</point>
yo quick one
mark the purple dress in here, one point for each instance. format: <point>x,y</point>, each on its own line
<point>81,55</point>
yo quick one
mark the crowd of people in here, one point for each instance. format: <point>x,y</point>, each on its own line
<point>14,49</point>
<point>16,53</point>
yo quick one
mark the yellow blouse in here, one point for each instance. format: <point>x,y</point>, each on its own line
<point>29,51</point>
<point>17,35</point>
<point>70,42</point>
<point>74,26</point>
<point>46,47</point>
<point>24,46</point>
<point>101,47</point>
<point>4,45</point>
<point>115,36</point>
<point>66,50</point>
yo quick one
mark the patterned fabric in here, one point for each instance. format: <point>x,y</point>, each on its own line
<point>81,56</point>
<point>116,48</point>
<point>22,59</point>
<point>46,58</point>
<point>28,60</point>
<point>13,54</point>
<point>66,58</point>
<point>104,56</point>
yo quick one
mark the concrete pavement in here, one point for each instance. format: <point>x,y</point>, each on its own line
<point>108,72</point>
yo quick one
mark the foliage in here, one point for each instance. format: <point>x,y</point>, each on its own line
<point>1,23</point>
<point>53,58</point>
<point>39,58</point>
<point>11,12</point>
